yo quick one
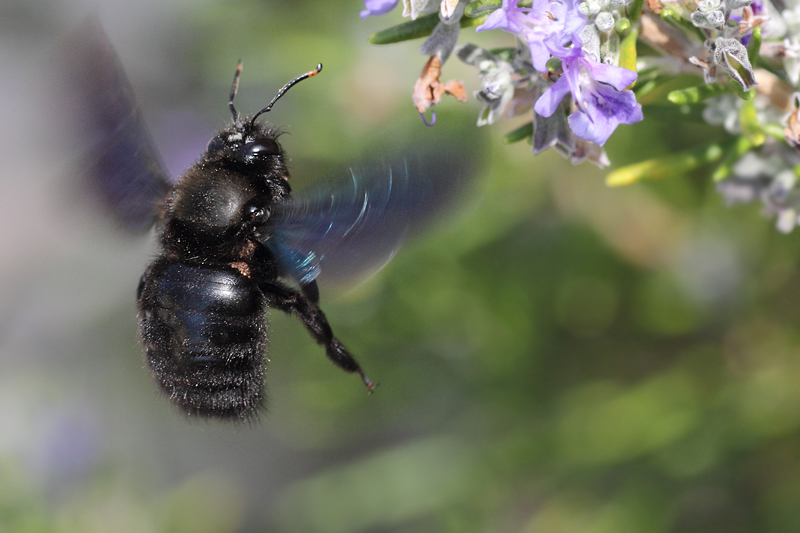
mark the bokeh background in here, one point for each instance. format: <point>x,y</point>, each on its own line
<point>556,356</point>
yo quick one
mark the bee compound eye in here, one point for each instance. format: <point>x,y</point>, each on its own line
<point>215,145</point>
<point>261,147</point>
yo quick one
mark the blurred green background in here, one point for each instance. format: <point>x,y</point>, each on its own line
<point>555,357</point>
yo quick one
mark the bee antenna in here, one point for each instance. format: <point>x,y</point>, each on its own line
<point>234,90</point>
<point>283,90</point>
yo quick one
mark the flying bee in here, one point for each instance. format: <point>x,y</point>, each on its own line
<point>232,239</point>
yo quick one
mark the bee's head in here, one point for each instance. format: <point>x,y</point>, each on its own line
<point>247,142</point>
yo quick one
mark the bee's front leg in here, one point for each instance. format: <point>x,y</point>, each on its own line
<point>294,302</point>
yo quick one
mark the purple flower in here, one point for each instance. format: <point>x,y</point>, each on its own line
<point>507,17</point>
<point>605,109</point>
<point>377,7</point>
<point>598,91</point>
<point>543,19</point>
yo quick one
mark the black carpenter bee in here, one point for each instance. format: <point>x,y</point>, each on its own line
<point>233,240</point>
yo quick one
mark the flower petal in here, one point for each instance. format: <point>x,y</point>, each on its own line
<point>377,7</point>
<point>547,104</point>
<point>553,44</point>
<point>540,54</point>
<point>604,110</point>
<point>502,18</point>
<point>617,77</point>
<point>574,21</point>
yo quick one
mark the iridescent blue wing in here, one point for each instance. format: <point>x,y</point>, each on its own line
<point>353,228</point>
<point>122,165</point>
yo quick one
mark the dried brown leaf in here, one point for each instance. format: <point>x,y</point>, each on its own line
<point>428,90</point>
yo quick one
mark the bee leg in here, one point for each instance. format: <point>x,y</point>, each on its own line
<point>311,291</point>
<point>299,304</point>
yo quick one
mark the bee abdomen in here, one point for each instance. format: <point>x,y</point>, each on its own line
<point>205,335</point>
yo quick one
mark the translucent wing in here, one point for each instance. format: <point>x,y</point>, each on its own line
<point>122,166</point>
<point>355,227</point>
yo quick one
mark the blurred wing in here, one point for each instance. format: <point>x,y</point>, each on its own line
<point>123,167</point>
<point>354,228</point>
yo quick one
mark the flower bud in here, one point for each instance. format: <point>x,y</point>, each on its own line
<point>609,49</point>
<point>707,6</point>
<point>732,55</point>
<point>553,64</point>
<point>736,4</point>
<point>712,20</point>
<point>591,41</point>
<point>604,21</point>
<point>592,7</point>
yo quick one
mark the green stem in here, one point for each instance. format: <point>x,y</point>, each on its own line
<point>740,147</point>
<point>751,127</point>
<point>775,131</point>
<point>671,17</point>
<point>741,93</point>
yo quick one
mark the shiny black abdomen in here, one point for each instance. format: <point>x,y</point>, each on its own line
<point>204,329</point>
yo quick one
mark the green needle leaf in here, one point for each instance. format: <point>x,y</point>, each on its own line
<point>668,166</point>
<point>674,113</point>
<point>481,7</point>
<point>519,134</point>
<point>754,47</point>
<point>692,95</point>
<point>635,9</point>
<point>414,29</point>
<point>627,52</point>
